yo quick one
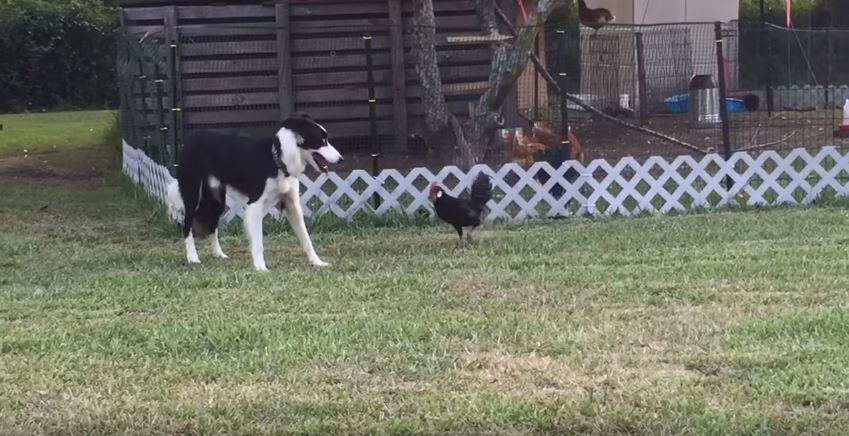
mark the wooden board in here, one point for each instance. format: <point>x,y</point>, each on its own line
<point>138,14</point>
<point>259,129</point>
<point>313,11</point>
<point>330,96</point>
<point>340,129</point>
<point>228,100</point>
<point>229,66</point>
<point>138,29</point>
<point>323,79</point>
<point>442,6</point>
<point>344,42</point>
<point>347,129</point>
<point>361,111</point>
<point>231,116</point>
<point>242,29</point>
<point>268,47</point>
<point>232,13</point>
<point>300,63</point>
<point>455,74</point>
<point>303,9</point>
<point>229,83</point>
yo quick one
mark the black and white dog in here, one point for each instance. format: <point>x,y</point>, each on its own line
<point>264,171</point>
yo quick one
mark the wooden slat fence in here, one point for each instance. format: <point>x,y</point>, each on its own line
<point>245,67</point>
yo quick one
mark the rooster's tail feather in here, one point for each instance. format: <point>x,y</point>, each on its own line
<point>481,191</point>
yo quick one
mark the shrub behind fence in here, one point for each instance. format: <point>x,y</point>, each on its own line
<point>57,55</point>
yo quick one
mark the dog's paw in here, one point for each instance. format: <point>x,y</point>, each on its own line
<point>319,262</point>
<point>221,255</point>
<point>261,268</point>
<point>194,260</point>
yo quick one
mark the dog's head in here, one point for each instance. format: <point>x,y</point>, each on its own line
<point>301,141</point>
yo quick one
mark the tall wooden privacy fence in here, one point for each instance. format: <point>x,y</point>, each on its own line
<point>625,187</point>
<point>245,67</point>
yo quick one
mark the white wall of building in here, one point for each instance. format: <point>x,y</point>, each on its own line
<point>669,11</point>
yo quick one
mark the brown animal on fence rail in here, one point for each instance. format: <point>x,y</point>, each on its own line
<point>527,144</point>
<point>594,18</point>
<point>543,143</point>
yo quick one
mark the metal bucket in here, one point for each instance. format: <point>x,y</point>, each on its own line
<point>703,105</point>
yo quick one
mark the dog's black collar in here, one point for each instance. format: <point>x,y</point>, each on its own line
<point>278,161</point>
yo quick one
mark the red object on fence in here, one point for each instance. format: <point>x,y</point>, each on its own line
<point>788,6</point>
<point>525,13</point>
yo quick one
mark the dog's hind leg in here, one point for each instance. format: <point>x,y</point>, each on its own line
<point>218,198</point>
<point>191,198</point>
<point>296,220</point>
<point>253,225</point>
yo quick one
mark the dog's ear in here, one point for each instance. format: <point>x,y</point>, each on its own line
<point>306,116</point>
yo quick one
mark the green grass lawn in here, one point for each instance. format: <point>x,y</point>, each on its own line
<point>39,132</point>
<point>727,323</point>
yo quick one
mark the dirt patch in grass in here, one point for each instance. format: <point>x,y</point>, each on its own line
<point>539,374</point>
<point>40,167</point>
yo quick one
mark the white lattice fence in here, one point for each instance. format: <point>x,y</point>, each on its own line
<point>626,187</point>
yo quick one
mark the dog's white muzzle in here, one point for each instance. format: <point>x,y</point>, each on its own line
<point>325,156</point>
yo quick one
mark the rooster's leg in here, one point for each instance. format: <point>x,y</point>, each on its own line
<point>460,235</point>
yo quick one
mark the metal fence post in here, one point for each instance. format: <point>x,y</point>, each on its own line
<point>130,112</point>
<point>536,78</point>
<point>765,47</point>
<point>163,126</point>
<point>562,82</point>
<point>723,104</point>
<point>372,115</point>
<point>641,79</point>
<point>142,77</point>
<point>176,111</point>
<point>830,56</point>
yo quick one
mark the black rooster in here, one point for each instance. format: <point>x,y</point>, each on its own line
<point>461,212</point>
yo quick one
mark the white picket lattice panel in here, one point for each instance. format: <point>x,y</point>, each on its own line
<point>626,187</point>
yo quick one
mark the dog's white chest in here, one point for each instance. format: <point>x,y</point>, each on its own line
<point>286,185</point>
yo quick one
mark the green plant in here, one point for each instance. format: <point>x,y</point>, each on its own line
<point>57,55</point>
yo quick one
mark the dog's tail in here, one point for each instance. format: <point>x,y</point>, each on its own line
<point>175,200</point>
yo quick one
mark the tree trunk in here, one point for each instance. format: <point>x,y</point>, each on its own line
<point>486,14</point>
<point>437,117</point>
<point>507,66</point>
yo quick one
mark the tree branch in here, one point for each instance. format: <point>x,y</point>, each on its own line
<point>768,144</point>
<point>508,62</point>
<point>505,71</point>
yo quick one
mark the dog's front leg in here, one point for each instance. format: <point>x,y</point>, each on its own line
<point>191,250</point>
<point>253,225</point>
<point>296,220</point>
